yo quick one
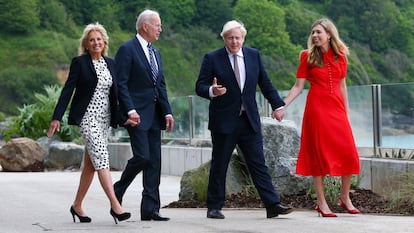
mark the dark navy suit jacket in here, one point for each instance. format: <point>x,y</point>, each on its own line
<point>224,110</point>
<point>136,87</point>
<point>81,83</point>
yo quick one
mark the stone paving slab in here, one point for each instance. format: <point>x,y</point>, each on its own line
<point>39,202</point>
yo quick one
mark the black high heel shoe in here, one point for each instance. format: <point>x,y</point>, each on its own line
<point>119,217</point>
<point>81,218</point>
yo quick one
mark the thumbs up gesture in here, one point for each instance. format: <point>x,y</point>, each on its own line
<point>218,90</point>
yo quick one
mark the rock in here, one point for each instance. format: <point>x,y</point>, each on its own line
<point>196,180</point>
<point>281,142</point>
<point>64,155</point>
<point>190,182</point>
<point>22,154</point>
<point>45,142</point>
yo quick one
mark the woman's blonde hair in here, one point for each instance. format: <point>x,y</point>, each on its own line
<point>338,46</point>
<point>84,39</point>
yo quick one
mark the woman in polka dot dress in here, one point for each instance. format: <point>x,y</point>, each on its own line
<point>93,109</point>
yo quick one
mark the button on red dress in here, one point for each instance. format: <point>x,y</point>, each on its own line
<point>327,143</point>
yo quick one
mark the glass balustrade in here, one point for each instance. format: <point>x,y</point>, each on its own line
<point>380,116</point>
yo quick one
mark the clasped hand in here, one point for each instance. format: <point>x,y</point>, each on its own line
<point>278,114</point>
<point>133,120</point>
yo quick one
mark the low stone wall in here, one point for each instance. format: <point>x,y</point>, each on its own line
<point>175,159</point>
<point>378,175</point>
<point>384,175</point>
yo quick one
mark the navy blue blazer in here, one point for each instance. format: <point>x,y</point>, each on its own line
<point>224,110</point>
<point>81,83</point>
<point>137,89</point>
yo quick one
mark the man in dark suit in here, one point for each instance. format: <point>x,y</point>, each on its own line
<point>143,98</point>
<point>234,117</point>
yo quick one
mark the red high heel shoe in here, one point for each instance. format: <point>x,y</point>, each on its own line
<point>342,204</point>
<point>320,212</point>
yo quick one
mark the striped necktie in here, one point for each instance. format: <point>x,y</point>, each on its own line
<point>153,65</point>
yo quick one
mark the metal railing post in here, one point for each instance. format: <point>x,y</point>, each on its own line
<point>191,118</point>
<point>377,118</point>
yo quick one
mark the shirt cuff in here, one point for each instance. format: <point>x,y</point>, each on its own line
<point>210,92</point>
<point>131,111</point>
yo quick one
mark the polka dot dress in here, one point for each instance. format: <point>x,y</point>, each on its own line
<point>94,126</point>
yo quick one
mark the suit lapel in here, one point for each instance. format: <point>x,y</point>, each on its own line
<point>91,67</point>
<point>247,63</point>
<point>224,56</point>
<point>143,58</point>
<point>158,60</point>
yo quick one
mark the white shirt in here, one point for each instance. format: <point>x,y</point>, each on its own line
<point>144,45</point>
<point>242,69</point>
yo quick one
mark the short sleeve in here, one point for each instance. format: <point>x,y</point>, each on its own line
<point>343,65</point>
<point>302,71</point>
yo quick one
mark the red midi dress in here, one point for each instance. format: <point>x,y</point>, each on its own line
<point>327,144</point>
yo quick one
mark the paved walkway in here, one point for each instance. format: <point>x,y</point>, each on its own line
<point>38,202</point>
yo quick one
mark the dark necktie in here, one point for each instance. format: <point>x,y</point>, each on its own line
<point>153,65</point>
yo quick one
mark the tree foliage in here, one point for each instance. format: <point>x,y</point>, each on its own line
<point>177,14</point>
<point>39,37</point>
<point>212,14</point>
<point>18,16</point>
<point>53,16</point>
<point>267,28</point>
<point>16,86</point>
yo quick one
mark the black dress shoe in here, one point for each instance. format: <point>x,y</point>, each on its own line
<point>153,216</point>
<point>214,213</point>
<point>275,210</point>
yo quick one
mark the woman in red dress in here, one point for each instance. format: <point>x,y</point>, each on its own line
<point>327,143</point>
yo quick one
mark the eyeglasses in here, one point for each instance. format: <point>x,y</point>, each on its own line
<point>155,25</point>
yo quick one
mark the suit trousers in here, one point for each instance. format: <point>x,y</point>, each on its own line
<point>146,149</point>
<point>251,145</point>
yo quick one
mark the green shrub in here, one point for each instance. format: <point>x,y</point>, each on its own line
<point>396,153</point>
<point>199,181</point>
<point>2,116</point>
<point>332,188</point>
<point>34,119</point>
<point>402,200</point>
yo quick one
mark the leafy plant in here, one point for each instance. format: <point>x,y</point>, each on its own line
<point>249,188</point>
<point>397,154</point>
<point>199,181</point>
<point>2,116</point>
<point>34,119</point>
<point>332,188</point>
<point>402,199</point>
